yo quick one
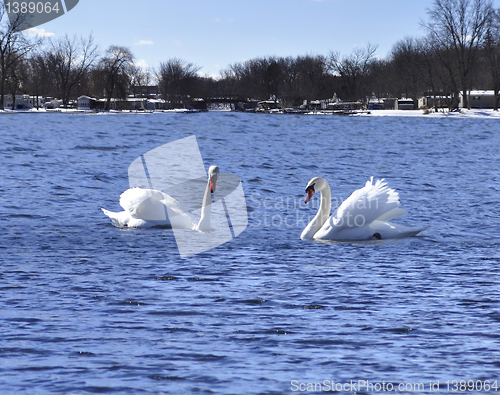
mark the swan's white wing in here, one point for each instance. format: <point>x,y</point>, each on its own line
<point>365,205</point>
<point>144,203</point>
<point>376,230</point>
<point>389,230</point>
<point>132,198</point>
<point>124,219</point>
<point>394,213</point>
<point>156,207</point>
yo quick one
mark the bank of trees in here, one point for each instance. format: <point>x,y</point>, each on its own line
<point>290,79</point>
<point>459,51</point>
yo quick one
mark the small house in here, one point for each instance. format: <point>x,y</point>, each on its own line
<point>405,104</point>
<point>86,103</point>
<point>480,99</point>
<point>20,102</point>
<point>434,101</point>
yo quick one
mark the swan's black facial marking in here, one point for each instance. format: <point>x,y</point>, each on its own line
<point>377,236</point>
<point>311,187</point>
<point>309,191</point>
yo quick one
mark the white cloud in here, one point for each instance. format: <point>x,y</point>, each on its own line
<point>144,42</point>
<point>39,32</point>
<point>219,20</point>
<point>142,63</point>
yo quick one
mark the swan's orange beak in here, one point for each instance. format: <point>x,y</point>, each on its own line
<point>310,192</point>
<point>212,186</point>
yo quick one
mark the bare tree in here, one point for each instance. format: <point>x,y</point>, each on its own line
<point>117,67</point>
<point>458,27</point>
<point>70,59</point>
<point>38,76</point>
<point>353,70</point>
<point>272,77</point>
<point>248,76</point>
<point>141,76</point>
<point>491,48</point>
<point>407,64</point>
<point>380,80</point>
<point>13,47</point>
<point>16,79</point>
<point>226,84</point>
<point>312,77</point>
<point>290,79</point>
<point>291,82</point>
<point>176,79</point>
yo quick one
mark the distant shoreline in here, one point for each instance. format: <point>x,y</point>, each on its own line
<point>462,114</point>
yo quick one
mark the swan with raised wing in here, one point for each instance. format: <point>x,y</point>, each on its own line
<point>145,208</point>
<point>364,215</point>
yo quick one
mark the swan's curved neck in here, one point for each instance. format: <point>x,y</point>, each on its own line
<point>204,224</point>
<point>323,213</point>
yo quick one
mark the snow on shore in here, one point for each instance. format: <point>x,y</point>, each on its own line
<point>463,113</point>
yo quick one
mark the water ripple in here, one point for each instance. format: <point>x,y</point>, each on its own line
<point>90,308</point>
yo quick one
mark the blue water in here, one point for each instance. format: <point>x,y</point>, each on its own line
<point>89,308</point>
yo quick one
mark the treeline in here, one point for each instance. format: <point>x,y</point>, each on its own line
<point>460,51</point>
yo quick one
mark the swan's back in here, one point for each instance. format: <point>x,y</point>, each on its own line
<point>143,203</point>
<point>145,208</point>
<point>375,201</point>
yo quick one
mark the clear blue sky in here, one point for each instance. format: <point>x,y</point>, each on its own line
<point>216,33</point>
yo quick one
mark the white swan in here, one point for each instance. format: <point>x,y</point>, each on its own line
<point>362,216</point>
<point>145,208</point>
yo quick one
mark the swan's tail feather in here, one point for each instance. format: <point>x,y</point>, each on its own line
<point>380,188</point>
<point>390,230</point>
<point>115,217</point>
<point>415,231</point>
<point>374,201</point>
<point>124,220</point>
<point>391,214</point>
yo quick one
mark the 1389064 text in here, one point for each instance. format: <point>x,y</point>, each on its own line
<point>32,7</point>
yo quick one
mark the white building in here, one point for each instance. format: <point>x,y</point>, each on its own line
<point>34,100</point>
<point>479,99</point>
<point>22,102</point>
<point>86,102</point>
